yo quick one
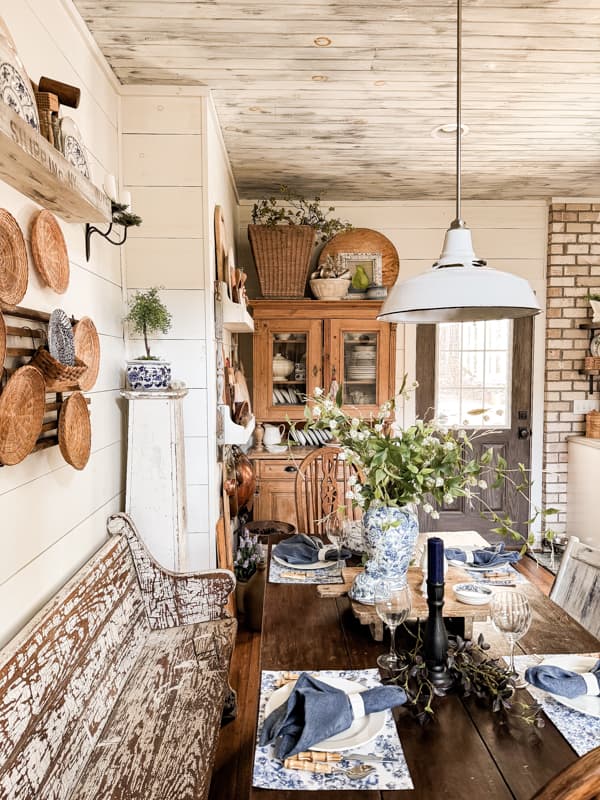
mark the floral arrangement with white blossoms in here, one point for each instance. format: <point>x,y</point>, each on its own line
<point>427,464</point>
<point>247,557</point>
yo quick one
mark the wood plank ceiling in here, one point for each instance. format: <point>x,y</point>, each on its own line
<point>342,98</point>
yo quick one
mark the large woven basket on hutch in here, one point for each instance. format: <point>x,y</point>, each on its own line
<point>282,257</point>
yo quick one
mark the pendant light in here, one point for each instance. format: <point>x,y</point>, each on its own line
<point>459,287</point>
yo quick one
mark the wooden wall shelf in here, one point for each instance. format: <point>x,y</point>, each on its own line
<point>34,167</point>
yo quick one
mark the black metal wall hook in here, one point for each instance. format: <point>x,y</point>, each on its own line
<point>91,229</point>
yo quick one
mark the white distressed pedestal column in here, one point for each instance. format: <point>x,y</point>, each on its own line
<point>155,492</point>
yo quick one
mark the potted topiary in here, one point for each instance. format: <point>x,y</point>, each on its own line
<point>282,236</point>
<point>331,281</point>
<point>148,315</point>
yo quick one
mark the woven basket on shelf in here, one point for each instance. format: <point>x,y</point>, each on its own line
<point>75,431</point>
<point>58,377</point>
<point>592,362</point>
<point>282,256</point>
<point>22,406</point>
<point>592,425</point>
<point>48,105</point>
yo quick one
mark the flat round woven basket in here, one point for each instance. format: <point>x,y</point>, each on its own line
<point>87,349</point>
<point>13,260</point>
<point>50,252</point>
<point>2,344</point>
<point>75,431</point>
<point>22,405</point>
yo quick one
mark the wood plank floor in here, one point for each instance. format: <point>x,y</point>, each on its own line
<point>232,775</point>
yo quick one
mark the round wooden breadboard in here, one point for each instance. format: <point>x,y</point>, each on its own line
<point>22,406</point>
<point>49,250</point>
<point>2,344</point>
<point>75,431</point>
<point>13,260</point>
<point>364,240</point>
<point>87,349</point>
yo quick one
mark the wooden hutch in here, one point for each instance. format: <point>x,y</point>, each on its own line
<point>300,345</point>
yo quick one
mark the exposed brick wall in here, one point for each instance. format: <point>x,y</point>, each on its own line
<point>573,269</point>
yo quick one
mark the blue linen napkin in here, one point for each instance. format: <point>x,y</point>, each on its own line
<point>315,711</point>
<point>563,682</point>
<point>487,556</point>
<point>303,549</point>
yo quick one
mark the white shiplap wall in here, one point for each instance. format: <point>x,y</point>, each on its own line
<point>177,170</point>
<point>53,517</point>
<point>510,235</point>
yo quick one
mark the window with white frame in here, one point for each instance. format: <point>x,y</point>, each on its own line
<point>473,373</point>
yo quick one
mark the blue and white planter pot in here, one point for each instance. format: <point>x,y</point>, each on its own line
<point>149,376</point>
<point>390,534</point>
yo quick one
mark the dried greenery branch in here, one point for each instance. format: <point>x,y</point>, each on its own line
<point>293,209</point>
<point>475,674</point>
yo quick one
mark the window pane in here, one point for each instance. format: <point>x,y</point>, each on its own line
<point>473,373</point>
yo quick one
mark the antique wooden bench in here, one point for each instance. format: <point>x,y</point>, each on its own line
<point>116,689</point>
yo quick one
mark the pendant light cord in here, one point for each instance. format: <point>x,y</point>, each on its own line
<point>458,223</point>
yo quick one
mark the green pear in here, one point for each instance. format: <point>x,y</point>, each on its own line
<point>360,281</point>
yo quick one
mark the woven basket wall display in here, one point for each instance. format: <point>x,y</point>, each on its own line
<point>49,250</point>
<point>58,377</point>
<point>22,405</point>
<point>75,431</point>
<point>87,350</point>
<point>2,344</point>
<point>13,260</point>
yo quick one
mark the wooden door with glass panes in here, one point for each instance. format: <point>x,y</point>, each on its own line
<point>360,355</point>
<point>287,366</point>
<point>477,375</point>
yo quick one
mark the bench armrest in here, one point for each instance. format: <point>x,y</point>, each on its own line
<point>173,598</point>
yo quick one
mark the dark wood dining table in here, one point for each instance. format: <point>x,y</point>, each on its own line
<point>463,752</point>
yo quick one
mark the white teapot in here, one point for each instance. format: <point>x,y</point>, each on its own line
<point>273,434</point>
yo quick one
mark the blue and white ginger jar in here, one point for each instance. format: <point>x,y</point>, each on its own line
<point>390,534</point>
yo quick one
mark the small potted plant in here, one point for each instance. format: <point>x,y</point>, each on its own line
<point>249,567</point>
<point>282,235</point>
<point>331,281</point>
<point>594,299</point>
<point>148,315</point>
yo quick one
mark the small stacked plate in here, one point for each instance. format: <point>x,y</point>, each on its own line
<point>311,438</point>
<point>286,396</point>
<point>361,364</point>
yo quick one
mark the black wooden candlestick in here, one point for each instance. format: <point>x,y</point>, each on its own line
<point>436,638</point>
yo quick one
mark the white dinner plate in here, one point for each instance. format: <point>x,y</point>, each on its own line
<point>586,704</point>
<point>304,567</point>
<point>301,437</point>
<point>478,567</point>
<point>361,732</point>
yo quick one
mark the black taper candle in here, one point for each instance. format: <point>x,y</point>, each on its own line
<point>436,637</point>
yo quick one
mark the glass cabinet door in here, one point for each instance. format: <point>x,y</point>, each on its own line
<point>289,367</point>
<point>362,363</point>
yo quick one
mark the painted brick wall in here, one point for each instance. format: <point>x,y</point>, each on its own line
<point>573,269</point>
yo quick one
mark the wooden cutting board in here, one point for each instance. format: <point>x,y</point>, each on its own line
<point>364,240</point>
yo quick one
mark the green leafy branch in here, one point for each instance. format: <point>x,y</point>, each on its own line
<point>292,208</point>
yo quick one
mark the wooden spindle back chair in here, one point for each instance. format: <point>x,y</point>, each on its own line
<point>577,584</point>
<point>321,488</point>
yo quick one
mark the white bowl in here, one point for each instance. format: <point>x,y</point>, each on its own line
<point>330,288</point>
<point>473,594</point>
<point>276,448</point>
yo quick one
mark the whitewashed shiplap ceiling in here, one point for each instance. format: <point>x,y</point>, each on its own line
<point>341,98</point>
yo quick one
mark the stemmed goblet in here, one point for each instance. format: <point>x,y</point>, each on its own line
<point>393,607</point>
<point>511,615</point>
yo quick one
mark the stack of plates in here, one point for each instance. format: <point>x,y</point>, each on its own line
<point>287,396</point>
<point>361,364</point>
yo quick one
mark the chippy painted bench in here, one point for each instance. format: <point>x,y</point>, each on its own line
<point>116,689</point>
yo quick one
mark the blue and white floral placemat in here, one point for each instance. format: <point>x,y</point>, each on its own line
<point>269,773</point>
<point>581,731</point>
<point>280,574</point>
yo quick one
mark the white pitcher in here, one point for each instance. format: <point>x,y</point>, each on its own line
<point>273,434</point>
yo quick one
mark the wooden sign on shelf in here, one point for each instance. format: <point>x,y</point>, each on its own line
<point>34,167</point>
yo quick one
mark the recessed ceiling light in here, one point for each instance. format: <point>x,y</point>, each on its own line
<point>379,83</point>
<point>257,109</point>
<point>448,131</point>
<point>319,78</point>
<point>322,41</point>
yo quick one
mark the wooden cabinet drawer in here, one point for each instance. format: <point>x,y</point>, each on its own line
<point>284,470</point>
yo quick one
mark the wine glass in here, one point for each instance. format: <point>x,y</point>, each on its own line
<point>335,536</point>
<point>511,615</point>
<point>392,606</point>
